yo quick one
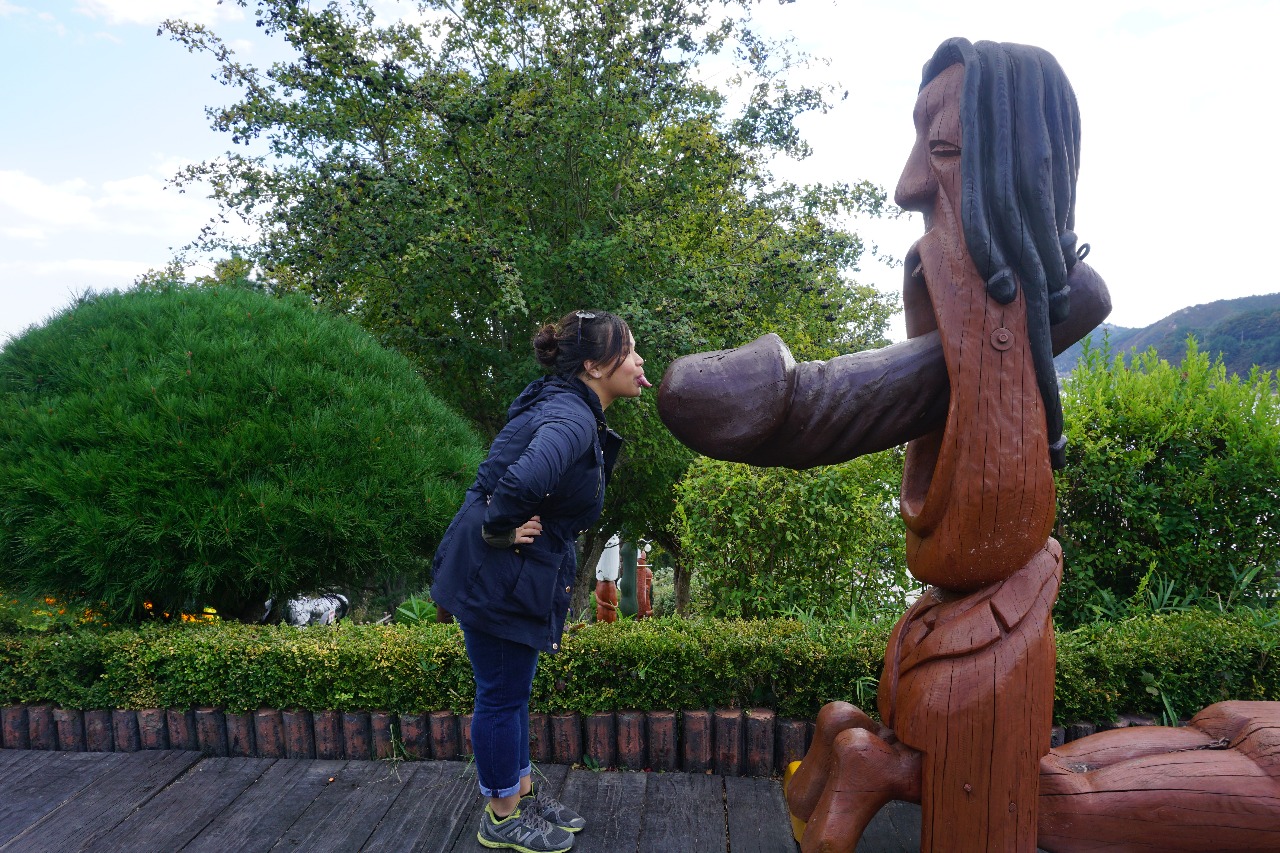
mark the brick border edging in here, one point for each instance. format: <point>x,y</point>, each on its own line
<point>729,742</point>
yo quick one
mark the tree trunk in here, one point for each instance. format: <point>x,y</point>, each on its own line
<point>682,577</point>
<point>583,602</point>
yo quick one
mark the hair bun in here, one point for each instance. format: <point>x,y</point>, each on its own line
<point>545,346</point>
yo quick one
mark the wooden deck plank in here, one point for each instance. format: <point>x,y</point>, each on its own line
<point>10,758</point>
<point>261,815</point>
<point>613,804</point>
<point>436,811</point>
<point>346,812</point>
<point>894,829</point>
<point>551,775</point>
<point>98,801</point>
<point>78,823</point>
<point>179,813</point>
<point>685,813</point>
<point>40,784</point>
<point>757,816</point>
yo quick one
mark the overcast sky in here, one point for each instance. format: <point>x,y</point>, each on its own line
<point>1177,187</point>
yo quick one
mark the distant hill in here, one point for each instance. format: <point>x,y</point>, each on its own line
<point>1245,331</point>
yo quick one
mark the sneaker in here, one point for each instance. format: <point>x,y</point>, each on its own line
<point>522,831</point>
<point>552,810</point>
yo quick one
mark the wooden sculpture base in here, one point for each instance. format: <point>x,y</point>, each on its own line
<point>967,700</point>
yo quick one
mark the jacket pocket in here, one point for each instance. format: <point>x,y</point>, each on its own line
<point>534,587</point>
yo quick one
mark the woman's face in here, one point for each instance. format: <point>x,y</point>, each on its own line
<point>626,379</point>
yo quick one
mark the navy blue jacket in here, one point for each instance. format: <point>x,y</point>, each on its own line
<point>553,460</point>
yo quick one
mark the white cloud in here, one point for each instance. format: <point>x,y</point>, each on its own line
<point>136,205</point>
<point>152,12</point>
<point>106,269</point>
<point>7,8</point>
<point>34,202</point>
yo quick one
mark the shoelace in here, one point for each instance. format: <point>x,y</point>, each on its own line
<point>536,821</point>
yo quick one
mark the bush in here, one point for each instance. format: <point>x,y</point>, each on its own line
<point>216,446</point>
<point>1189,660</point>
<point>771,541</point>
<point>1171,474</point>
<point>1177,662</point>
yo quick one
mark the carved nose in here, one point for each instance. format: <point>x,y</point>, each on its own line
<point>917,186</point>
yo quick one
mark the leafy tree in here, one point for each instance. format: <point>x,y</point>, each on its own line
<point>825,542</point>
<point>216,446</point>
<point>453,183</point>
<point>1171,479</point>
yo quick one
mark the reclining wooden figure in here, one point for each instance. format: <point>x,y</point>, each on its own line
<point>994,288</point>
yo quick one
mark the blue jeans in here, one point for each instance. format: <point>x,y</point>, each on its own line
<point>500,723</point>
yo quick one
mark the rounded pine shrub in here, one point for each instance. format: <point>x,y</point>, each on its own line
<point>178,447</point>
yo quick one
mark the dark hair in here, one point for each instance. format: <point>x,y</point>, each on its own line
<point>1019,159</point>
<point>580,336</point>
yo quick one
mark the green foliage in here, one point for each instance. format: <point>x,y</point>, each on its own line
<point>242,667</point>
<point>1169,665</point>
<point>23,612</point>
<point>678,664</point>
<point>454,183</point>
<point>771,541</point>
<point>1171,477</point>
<point>1244,331</point>
<point>216,446</point>
<point>416,610</point>
<point>1249,338</point>
<point>1190,659</point>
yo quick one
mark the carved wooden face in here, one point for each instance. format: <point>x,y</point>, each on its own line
<point>930,182</point>
<point>977,494</point>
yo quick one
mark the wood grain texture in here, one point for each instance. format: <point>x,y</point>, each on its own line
<point>437,810</point>
<point>181,811</point>
<point>978,494</point>
<point>1213,785</point>
<point>691,819</point>
<point>34,786</point>
<point>615,803</point>
<point>267,808</point>
<point>78,823</point>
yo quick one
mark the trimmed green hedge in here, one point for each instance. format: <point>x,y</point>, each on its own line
<point>1189,659</point>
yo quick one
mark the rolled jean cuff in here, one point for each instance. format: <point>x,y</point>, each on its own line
<point>500,792</point>
<point>507,792</point>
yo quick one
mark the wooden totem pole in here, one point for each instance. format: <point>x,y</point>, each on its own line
<point>994,288</point>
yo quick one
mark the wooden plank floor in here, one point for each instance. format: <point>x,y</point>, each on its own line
<point>180,801</point>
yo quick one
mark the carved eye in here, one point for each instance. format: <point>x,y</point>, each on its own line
<point>942,148</point>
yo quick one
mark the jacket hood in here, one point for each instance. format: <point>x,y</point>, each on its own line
<point>549,386</point>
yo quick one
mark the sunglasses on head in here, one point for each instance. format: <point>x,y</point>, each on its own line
<point>582,316</point>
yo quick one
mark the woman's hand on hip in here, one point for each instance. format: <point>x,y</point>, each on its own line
<point>529,531</point>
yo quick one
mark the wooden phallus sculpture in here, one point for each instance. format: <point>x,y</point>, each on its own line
<point>644,586</point>
<point>608,569</point>
<point>992,290</point>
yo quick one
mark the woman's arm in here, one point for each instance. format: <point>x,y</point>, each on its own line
<point>532,477</point>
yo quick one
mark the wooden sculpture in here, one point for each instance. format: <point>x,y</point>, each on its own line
<point>966,696</point>
<point>608,570</point>
<point>994,288</point>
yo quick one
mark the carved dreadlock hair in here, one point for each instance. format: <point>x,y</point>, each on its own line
<point>1020,156</point>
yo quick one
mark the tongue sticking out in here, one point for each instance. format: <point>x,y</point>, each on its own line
<point>644,383</point>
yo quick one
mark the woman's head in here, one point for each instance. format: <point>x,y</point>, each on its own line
<point>581,336</point>
<point>597,347</point>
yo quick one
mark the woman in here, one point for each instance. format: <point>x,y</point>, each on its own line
<point>507,563</point>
